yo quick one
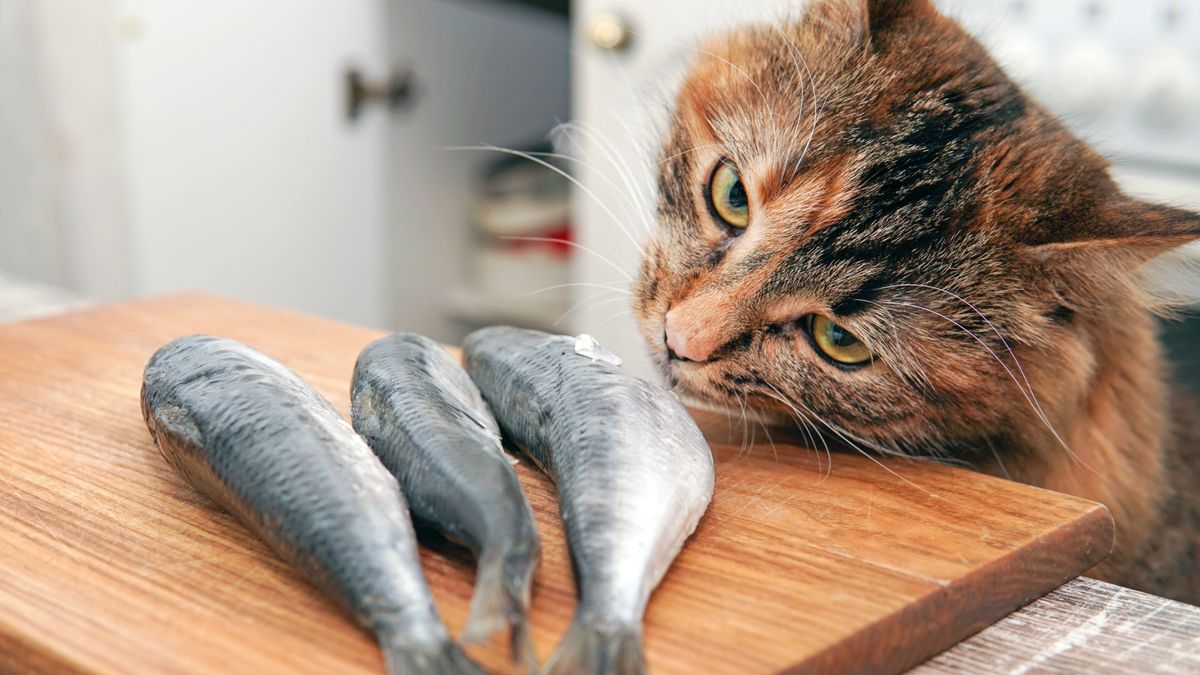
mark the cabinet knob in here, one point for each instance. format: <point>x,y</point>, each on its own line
<point>609,31</point>
<point>396,92</point>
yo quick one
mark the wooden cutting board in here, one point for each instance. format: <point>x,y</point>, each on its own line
<point>109,563</point>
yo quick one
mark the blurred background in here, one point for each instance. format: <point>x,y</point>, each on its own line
<point>406,164</point>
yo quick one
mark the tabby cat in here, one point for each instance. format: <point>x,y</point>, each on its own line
<point>862,220</point>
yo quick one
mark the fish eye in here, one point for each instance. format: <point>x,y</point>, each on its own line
<point>728,195</point>
<point>836,342</point>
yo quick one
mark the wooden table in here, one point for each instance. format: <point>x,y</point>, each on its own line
<point>1086,626</point>
<point>108,561</point>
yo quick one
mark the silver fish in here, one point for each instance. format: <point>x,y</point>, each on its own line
<point>254,437</point>
<point>633,472</point>
<point>425,419</point>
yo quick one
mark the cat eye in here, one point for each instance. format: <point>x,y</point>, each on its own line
<point>728,196</point>
<point>836,342</point>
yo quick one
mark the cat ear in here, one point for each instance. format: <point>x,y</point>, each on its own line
<point>868,18</point>
<point>1087,263</point>
<point>1126,234</point>
<point>882,14</point>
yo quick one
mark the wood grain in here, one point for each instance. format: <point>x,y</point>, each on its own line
<point>1086,626</point>
<point>110,563</point>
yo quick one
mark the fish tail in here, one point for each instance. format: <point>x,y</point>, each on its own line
<point>588,649</point>
<point>446,658</point>
<point>501,601</point>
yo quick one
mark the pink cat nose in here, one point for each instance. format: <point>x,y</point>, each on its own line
<point>682,343</point>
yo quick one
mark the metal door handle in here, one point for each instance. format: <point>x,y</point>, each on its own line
<point>397,92</point>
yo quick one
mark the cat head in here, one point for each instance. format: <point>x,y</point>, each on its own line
<point>863,221</point>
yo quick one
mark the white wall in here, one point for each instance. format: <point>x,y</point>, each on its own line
<point>63,210</point>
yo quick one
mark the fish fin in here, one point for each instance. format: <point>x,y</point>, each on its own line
<point>446,658</point>
<point>500,601</point>
<point>591,650</point>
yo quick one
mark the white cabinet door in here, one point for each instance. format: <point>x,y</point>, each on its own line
<point>486,73</point>
<point>245,176</point>
<point>621,98</point>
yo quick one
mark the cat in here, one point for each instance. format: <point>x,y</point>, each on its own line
<point>863,221</point>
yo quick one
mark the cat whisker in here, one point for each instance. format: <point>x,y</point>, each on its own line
<point>615,158</point>
<point>803,426</point>
<point>1017,362</point>
<point>911,372</point>
<point>752,430</point>
<point>580,284</point>
<point>799,417</point>
<point>610,317</point>
<point>623,294</point>
<point>586,190</point>
<point>891,318</point>
<point>633,196</point>
<point>690,150</point>
<point>572,244</point>
<point>846,437</point>
<point>999,461</point>
<point>647,201</point>
<point>816,433</point>
<point>812,92</point>
<point>634,185</point>
<point>745,436</point>
<point>626,207</point>
<point>579,305</point>
<point>796,414</point>
<point>1007,370</point>
<point>770,440</point>
<point>575,307</point>
<point>795,57</point>
<point>741,71</point>
<point>975,337</point>
<point>808,143</point>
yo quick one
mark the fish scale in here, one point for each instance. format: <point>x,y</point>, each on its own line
<point>250,434</point>
<point>633,473</point>
<point>428,423</point>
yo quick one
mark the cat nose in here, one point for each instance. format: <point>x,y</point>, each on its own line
<point>682,343</point>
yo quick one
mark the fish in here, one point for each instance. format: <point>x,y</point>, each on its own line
<point>247,432</point>
<point>633,473</point>
<point>428,423</point>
